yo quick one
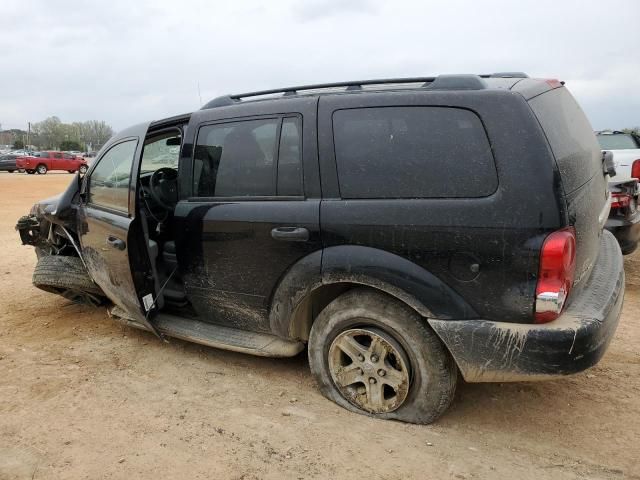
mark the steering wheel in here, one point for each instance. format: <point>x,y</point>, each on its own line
<point>163,187</point>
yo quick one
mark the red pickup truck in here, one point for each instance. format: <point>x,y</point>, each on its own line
<point>42,162</point>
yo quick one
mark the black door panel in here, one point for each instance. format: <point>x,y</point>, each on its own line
<point>233,251</point>
<point>112,241</point>
<point>108,266</point>
<point>234,263</point>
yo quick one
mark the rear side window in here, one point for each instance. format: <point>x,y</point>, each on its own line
<point>236,159</point>
<point>249,159</point>
<point>412,152</point>
<point>570,136</point>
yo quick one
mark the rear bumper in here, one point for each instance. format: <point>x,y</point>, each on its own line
<point>487,351</point>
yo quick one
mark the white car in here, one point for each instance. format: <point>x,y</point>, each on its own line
<point>20,153</point>
<point>626,152</point>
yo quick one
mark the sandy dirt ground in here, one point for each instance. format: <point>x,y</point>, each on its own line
<point>83,397</point>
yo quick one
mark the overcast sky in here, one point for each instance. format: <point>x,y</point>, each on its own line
<point>126,61</point>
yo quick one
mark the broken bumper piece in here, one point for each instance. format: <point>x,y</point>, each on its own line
<point>28,227</point>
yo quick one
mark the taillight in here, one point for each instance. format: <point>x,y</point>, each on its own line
<point>635,169</point>
<point>620,200</point>
<point>555,277</point>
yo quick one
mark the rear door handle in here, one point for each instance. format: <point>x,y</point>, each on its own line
<point>116,243</point>
<point>290,234</point>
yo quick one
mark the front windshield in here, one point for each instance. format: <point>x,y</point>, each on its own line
<point>161,152</point>
<point>616,142</point>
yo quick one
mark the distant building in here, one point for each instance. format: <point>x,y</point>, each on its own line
<point>7,137</point>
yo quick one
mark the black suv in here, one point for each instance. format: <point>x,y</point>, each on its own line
<point>403,230</point>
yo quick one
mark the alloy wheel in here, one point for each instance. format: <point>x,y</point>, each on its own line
<point>370,369</point>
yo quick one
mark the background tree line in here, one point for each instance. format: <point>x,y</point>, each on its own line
<point>54,134</point>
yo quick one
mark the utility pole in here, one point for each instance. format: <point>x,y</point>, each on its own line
<point>28,135</point>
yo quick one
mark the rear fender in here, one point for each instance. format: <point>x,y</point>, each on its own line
<point>350,265</point>
<point>396,275</point>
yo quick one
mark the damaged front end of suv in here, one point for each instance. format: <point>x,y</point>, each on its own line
<point>51,228</point>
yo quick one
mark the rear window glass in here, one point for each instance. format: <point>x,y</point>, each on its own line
<point>570,136</point>
<point>412,152</point>
<point>617,142</point>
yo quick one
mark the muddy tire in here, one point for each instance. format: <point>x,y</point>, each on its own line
<point>42,252</point>
<point>66,276</point>
<point>629,248</point>
<point>413,380</point>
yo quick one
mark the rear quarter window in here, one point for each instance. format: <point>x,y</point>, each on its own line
<point>412,152</point>
<point>570,136</point>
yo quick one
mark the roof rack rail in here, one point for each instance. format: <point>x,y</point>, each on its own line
<point>221,101</point>
<point>457,82</point>
<point>350,85</point>
<point>505,75</point>
<point>441,82</point>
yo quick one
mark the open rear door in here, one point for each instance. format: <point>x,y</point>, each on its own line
<point>110,229</point>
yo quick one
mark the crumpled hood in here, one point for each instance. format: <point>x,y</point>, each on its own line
<point>60,209</point>
<point>45,205</point>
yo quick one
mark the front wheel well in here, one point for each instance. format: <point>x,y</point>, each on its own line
<point>308,310</point>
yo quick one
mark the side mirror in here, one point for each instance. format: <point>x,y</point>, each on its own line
<point>82,186</point>
<point>174,141</point>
